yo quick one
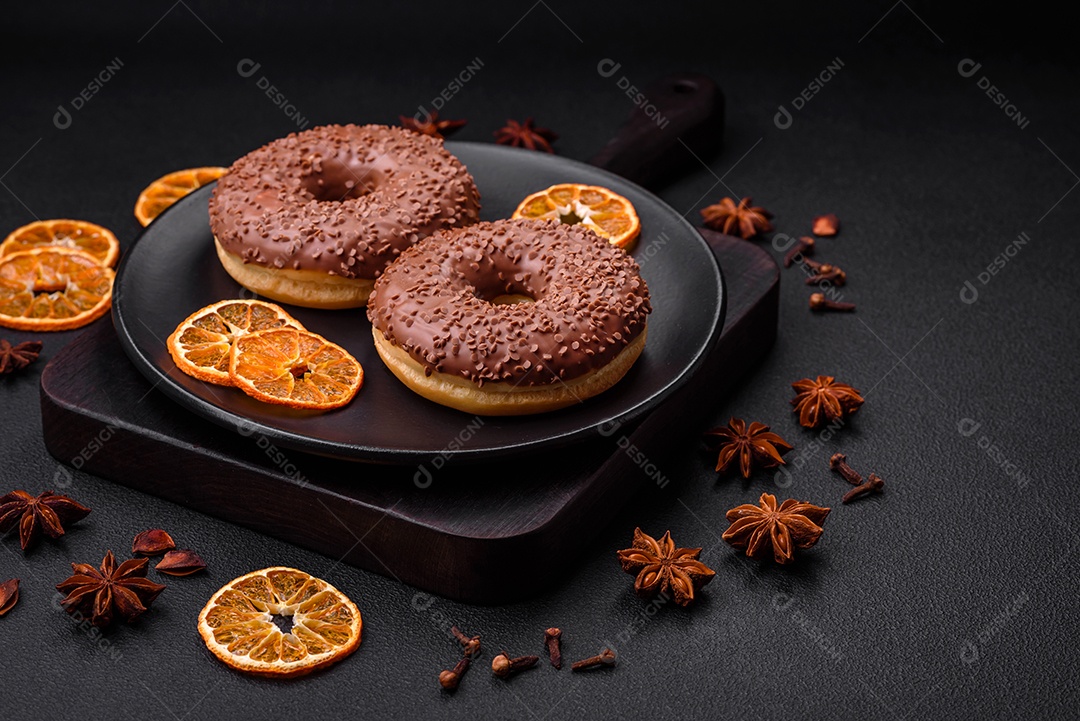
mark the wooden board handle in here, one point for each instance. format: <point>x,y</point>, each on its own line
<point>677,117</point>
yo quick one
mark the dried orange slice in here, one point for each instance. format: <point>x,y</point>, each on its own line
<point>200,346</point>
<point>295,368</point>
<point>168,189</point>
<point>53,289</point>
<point>76,234</point>
<point>607,213</point>
<point>238,624</point>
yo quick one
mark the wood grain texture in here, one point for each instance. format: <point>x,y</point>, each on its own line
<point>485,533</point>
<point>677,123</point>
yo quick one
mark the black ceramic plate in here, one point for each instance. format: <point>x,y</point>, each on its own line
<point>172,271</point>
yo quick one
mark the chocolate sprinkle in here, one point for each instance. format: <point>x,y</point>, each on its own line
<point>344,199</point>
<point>435,302</point>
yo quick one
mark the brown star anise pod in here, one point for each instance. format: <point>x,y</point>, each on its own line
<point>824,400</point>
<point>742,220</point>
<point>432,125</point>
<point>180,563</point>
<point>154,542</point>
<point>526,135</point>
<point>49,512</point>
<point>660,567</point>
<point>9,595</point>
<point>16,357</point>
<point>748,444</point>
<point>122,589</point>
<point>759,529</point>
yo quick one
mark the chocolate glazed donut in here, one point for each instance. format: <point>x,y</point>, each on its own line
<point>312,219</point>
<point>510,317</point>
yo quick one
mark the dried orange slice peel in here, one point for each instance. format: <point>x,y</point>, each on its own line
<point>202,344</point>
<point>607,213</point>
<point>238,624</point>
<point>75,234</point>
<point>53,289</point>
<point>170,188</point>
<point>294,368</point>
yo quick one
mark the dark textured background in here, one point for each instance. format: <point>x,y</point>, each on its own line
<point>953,594</point>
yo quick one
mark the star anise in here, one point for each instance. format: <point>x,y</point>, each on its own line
<point>526,135</point>
<point>9,595</point>
<point>180,563</point>
<point>759,529</point>
<point>755,443</point>
<point>16,357</point>
<point>123,590</point>
<point>824,400</point>
<point>154,542</point>
<point>660,567</point>
<point>432,125</point>
<point>49,512</point>
<point>742,220</point>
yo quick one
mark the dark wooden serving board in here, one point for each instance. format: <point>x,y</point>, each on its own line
<point>485,533</point>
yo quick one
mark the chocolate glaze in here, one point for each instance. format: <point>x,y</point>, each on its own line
<point>344,199</point>
<point>434,302</point>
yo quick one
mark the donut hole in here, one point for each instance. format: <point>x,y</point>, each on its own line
<point>508,294</point>
<point>505,281</point>
<point>511,299</point>
<point>329,180</point>
<point>504,294</point>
